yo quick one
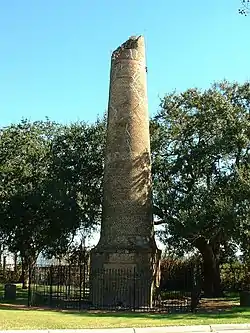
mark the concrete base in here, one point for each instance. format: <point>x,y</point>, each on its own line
<point>123,277</point>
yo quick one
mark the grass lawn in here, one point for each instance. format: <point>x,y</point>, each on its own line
<point>25,319</point>
<point>17,316</point>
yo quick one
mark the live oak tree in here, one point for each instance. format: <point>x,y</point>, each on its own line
<point>24,170</point>
<point>50,178</point>
<point>200,145</point>
<point>77,171</point>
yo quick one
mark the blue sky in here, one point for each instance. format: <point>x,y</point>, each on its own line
<point>55,54</point>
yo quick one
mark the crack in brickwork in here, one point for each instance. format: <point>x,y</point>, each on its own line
<point>127,180</point>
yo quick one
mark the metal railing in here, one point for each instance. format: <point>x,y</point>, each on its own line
<point>70,287</point>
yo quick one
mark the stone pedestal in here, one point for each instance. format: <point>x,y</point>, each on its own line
<point>127,241</point>
<point>123,278</point>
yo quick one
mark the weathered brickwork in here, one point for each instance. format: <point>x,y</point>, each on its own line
<point>127,233</point>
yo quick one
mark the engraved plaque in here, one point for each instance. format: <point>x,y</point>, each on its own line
<point>121,257</point>
<point>119,265</point>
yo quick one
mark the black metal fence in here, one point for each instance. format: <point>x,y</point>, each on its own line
<point>68,287</point>
<point>59,286</point>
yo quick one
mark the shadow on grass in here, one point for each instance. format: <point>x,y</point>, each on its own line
<point>229,314</point>
<point>14,303</point>
<point>234,312</point>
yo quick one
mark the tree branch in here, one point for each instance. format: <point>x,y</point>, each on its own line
<point>157,211</point>
<point>159,222</point>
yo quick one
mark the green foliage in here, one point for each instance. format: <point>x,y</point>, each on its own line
<point>50,184</point>
<point>234,276</point>
<point>77,173</point>
<point>201,144</point>
<point>24,168</point>
<point>244,10</point>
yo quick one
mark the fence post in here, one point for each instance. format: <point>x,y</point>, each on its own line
<point>84,280</point>
<point>80,291</point>
<point>4,267</point>
<point>29,287</point>
<point>58,289</point>
<point>51,289</point>
<point>134,288</point>
<point>69,283</point>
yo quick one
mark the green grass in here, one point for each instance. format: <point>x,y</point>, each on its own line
<point>14,315</point>
<point>44,319</point>
<point>233,296</point>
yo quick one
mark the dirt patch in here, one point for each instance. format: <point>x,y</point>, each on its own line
<point>7,306</point>
<point>206,305</point>
<point>216,305</point>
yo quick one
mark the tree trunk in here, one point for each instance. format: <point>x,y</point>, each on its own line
<point>25,274</point>
<point>212,281</point>
<point>218,292</point>
<point>15,263</point>
<point>27,263</point>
